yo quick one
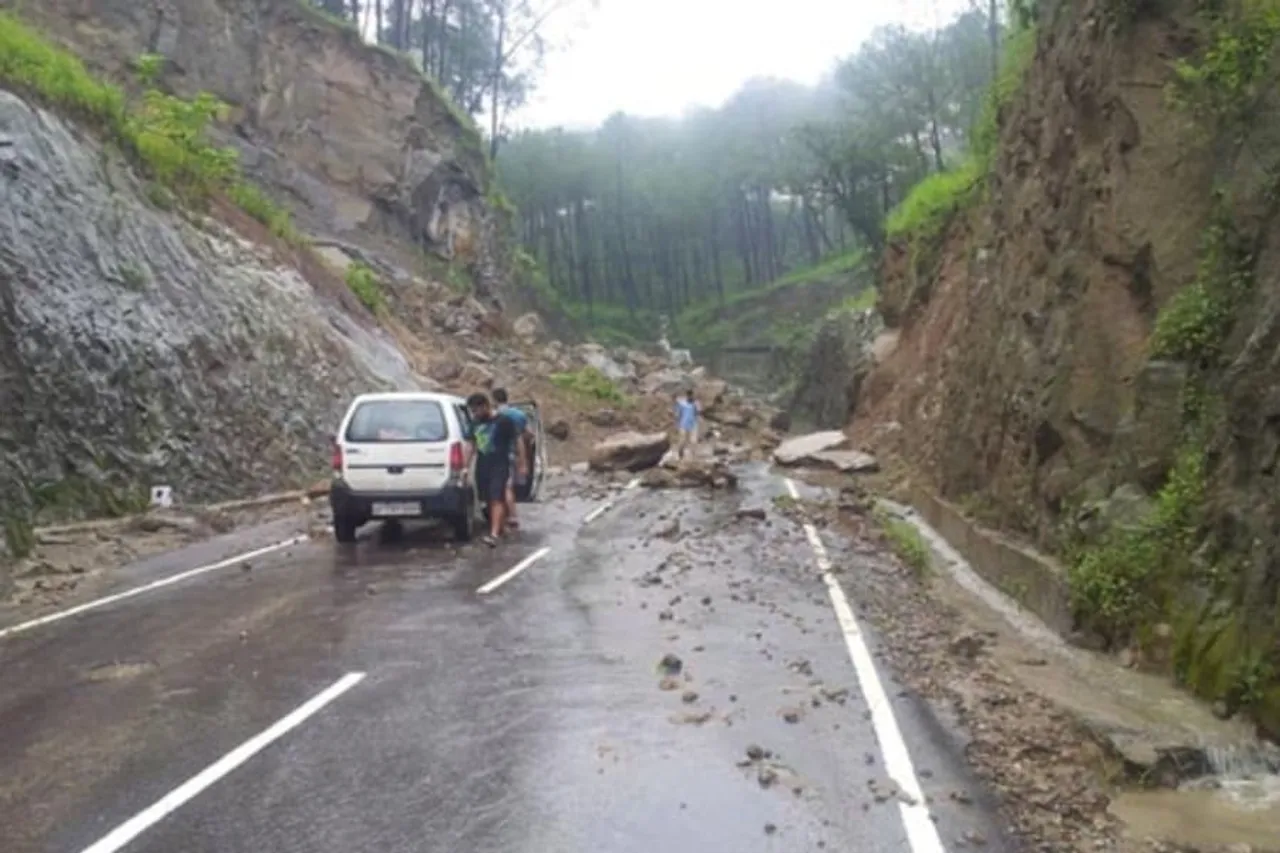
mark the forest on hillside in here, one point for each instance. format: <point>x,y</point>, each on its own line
<point>485,54</point>
<point>651,215</point>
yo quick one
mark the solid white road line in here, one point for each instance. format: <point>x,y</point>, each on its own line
<point>138,590</point>
<point>153,814</point>
<point>512,572</point>
<point>922,835</point>
<point>609,504</point>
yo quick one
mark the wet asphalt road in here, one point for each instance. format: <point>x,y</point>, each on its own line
<point>531,719</point>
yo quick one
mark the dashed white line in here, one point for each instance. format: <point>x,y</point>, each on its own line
<point>139,590</point>
<point>153,814</point>
<point>609,504</point>
<point>922,835</point>
<point>513,571</point>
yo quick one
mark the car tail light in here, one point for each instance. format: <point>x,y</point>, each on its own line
<point>457,459</point>
<point>337,456</point>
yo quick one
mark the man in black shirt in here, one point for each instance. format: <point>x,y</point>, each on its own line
<point>493,435</point>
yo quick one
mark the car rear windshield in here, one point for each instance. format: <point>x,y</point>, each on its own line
<point>397,420</point>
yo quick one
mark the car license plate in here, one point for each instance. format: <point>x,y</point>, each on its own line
<point>397,508</point>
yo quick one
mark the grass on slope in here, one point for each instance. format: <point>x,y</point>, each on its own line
<point>931,203</point>
<point>714,323</point>
<point>166,135</point>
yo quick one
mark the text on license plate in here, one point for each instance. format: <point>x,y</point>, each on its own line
<point>397,508</point>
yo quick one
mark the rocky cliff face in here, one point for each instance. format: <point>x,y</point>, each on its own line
<point>137,347</point>
<point>1089,358</point>
<point>360,144</point>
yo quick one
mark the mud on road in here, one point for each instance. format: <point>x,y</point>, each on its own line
<point>668,676</point>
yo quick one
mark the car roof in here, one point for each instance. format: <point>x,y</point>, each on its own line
<point>434,396</point>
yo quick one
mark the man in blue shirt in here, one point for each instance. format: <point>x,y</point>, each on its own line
<point>494,439</point>
<point>524,438</point>
<point>686,424</point>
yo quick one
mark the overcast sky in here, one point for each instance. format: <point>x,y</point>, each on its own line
<point>660,57</point>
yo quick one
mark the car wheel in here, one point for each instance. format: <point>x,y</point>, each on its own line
<point>464,526</point>
<point>344,529</point>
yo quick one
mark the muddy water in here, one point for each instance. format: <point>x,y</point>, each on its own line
<point>1226,812</point>
<point>1238,804</point>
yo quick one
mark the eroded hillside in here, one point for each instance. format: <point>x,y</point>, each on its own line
<point>1087,350</point>
<point>163,318</point>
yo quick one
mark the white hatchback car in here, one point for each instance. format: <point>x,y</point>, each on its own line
<point>401,455</point>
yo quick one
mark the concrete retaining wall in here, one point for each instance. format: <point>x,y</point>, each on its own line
<point>1034,580</point>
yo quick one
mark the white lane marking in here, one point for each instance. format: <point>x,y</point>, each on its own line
<point>922,835</point>
<point>512,572</point>
<point>138,590</point>
<point>153,814</point>
<point>609,504</point>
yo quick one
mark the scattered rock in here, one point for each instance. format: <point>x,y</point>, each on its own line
<point>559,430</point>
<point>781,421</point>
<point>791,715</point>
<point>528,327</point>
<point>755,752</point>
<point>770,829</point>
<point>668,684</point>
<point>691,474</point>
<point>671,664</point>
<point>766,776</point>
<point>476,376</point>
<point>968,646</point>
<point>689,697</point>
<point>605,418</point>
<point>757,513</point>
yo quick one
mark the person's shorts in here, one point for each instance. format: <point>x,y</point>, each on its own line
<point>491,479</point>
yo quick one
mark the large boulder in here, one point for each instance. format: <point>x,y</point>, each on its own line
<point>594,355</point>
<point>793,451</point>
<point>667,381</point>
<point>528,327</point>
<point>710,393</point>
<point>629,451</point>
<point>845,461</point>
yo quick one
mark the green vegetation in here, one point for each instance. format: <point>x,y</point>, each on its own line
<point>778,306</point>
<point>928,208</point>
<point>19,536</point>
<point>449,272</point>
<point>166,135</point>
<point>906,542</point>
<point>1225,83</point>
<point>689,217</point>
<point>933,201</point>
<point>591,384</point>
<point>1119,585</point>
<point>86,497</point>
<point>1194,325</point>
<point>364,283</point>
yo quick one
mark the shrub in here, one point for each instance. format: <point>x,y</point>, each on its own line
<point>931,203</point>
<point>33,65</point>
<point>1226,80</point>
<point>1195,323</point>
<point>167,135</point>
<point>906,542</point>
<point>591,383</point>
<point>365,285</point>
<point>1116,586</point>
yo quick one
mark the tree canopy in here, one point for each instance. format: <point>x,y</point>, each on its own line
<point>647,215</point>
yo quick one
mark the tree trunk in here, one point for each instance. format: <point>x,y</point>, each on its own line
<point>495,82</point>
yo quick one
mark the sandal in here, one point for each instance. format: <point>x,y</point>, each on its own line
<point>490,540</point>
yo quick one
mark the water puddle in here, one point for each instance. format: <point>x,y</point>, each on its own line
<point>1209,812</point>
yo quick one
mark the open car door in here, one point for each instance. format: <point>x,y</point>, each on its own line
<point>532,486</point>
